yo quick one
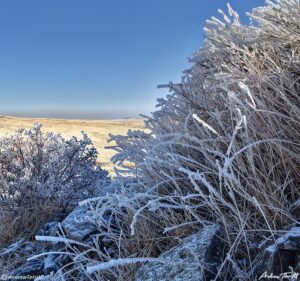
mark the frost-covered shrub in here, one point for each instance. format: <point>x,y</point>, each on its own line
<point>225,143</point>
<point>43,176</point>
<point>223,147</point>
<point>113,246</point>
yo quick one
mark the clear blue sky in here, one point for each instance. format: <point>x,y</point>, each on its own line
<point>97,58</point>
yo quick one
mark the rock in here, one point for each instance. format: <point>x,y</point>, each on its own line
<point>50,264</point>
<point>195,259</point>
<point>28,271</point>
<point>49,229</point>
<point>20,247</point>
<point>281,256</point>
<point>16,255</point>
<point>19,251</point>
<point>290,241</point>
<point>77,225</point>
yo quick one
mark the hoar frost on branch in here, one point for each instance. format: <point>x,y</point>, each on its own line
<point>223,147</point>
<point>43,176</point>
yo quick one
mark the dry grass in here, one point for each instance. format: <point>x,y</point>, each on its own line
<point>98,131</point>
<point>225,149</point>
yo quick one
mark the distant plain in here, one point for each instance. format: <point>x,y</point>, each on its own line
<point>97,130</point>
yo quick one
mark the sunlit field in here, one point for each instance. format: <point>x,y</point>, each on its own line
<point>97,130</point>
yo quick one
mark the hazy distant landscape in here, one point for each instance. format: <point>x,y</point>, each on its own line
<point>97,130</point>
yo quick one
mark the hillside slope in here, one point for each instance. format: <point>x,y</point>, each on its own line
<point>98,130</point>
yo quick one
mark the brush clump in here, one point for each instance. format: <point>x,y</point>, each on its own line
<point>42,177</point>
<point>223,148</point>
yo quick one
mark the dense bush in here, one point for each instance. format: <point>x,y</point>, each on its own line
<point>223,147</point>
<point>43,176</point>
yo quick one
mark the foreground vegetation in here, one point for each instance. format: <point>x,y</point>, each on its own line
<point>223,148</point>
<point>43,177</point>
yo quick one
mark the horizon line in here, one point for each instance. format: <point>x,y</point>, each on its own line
<point>71,118</point>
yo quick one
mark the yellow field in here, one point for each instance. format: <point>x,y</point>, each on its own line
<point>97,130</point>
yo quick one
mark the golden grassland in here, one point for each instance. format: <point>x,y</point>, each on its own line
<point>97,130</point>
